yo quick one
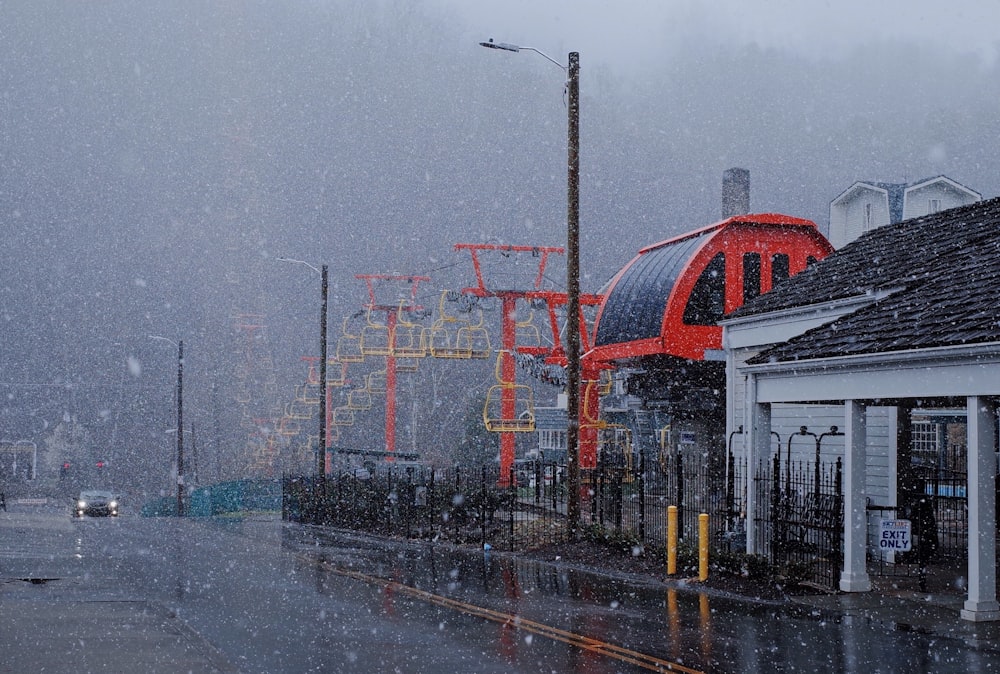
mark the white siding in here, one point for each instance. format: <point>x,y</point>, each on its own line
<point>847,217</point>
<point>917,201</point>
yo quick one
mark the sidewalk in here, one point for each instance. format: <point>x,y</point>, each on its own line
<point>56,615</point>
<point>897,607</point>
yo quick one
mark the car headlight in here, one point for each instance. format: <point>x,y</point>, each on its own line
<point>81,504</point>
<point>113,504</point>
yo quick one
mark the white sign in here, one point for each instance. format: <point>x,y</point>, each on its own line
<point>894,536</point>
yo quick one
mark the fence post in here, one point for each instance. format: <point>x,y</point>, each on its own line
<point>703,547</point>
<point>407,508</point>
<point>731,491</point>
<point>482,507</point>
<point>671,540</point>
<point>679,468</point>
<point>642,496</point>
<point>777,521</point>
<point>511,501</point>
<point>458,493</point>
<point>431,504</point>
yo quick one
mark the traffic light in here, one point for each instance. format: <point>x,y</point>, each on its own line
<point>100,465</point>
<point>64,470</point>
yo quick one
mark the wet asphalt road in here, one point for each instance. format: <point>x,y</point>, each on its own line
<point>273,597</point>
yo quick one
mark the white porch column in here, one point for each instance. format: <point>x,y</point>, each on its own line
<point>854,577</point>
<point>756,441</point>
<point>981,603</point>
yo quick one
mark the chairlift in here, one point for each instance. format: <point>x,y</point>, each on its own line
<point>349,346</point>
<point>375,338</point>
<point>307,394</point>
<point>526,333</point>
<point>359,399</point>
<point>474,340</point>
<point>522,420</point>
<point>443,334</point>
<point>409,340</point>
<point>336,372</point>
<point>342,416</point>
<point>288,426</point>
<point>377,382</point>
<point>298,410</point>
<point>509,407</point>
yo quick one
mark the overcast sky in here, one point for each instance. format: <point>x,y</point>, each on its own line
<point>631,33</point>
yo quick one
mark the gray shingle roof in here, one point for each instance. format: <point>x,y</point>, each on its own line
<point>945,267</point>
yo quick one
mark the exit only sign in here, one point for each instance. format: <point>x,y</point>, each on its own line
<point>894,536</point>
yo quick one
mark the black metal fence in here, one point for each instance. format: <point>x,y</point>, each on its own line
<point>525,511</point>
<point>799,520</point>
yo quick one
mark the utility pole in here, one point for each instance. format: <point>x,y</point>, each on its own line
<point>180,428</point>
<point>573,294</point>
<point>321,458</point>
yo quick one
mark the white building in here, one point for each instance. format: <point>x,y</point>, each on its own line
<point>866,205</point>
<point>905,316</point>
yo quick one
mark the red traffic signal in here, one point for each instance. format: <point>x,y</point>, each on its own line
<point>100,464</point>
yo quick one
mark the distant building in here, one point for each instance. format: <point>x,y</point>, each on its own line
<point>550,427</point>
<point>865,205</point>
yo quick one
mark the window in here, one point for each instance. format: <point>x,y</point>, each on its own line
<point>751,276</point>
<point>868,223</point>
<point>707,303</point>
<point>779,268</point>
<point>551,440</point>
<point>933,206</point>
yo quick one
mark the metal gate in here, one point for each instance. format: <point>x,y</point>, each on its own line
<point>800,520</point>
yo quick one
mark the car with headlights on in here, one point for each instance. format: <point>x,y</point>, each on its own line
<point>96,503</point>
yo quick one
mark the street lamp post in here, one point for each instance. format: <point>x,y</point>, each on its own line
<point>323,307</point>
<point>572,275</point>
<point>180,421</point>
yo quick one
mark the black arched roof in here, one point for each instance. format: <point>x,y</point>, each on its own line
<point>634,307</point>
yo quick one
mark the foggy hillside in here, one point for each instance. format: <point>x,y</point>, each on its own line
<point>155,159</point>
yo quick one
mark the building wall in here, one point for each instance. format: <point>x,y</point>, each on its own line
<point>847,218</point>
<point>917,202</point>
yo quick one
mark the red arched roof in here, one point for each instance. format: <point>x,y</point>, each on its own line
<point>644,308</point>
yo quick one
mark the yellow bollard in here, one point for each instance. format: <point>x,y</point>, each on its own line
<point>703,547</point>
<point>671,540</point>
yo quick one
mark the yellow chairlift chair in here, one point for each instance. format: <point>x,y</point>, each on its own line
<point>442,339</point>
<point>474,340</point>
<point>375,338</point>
<point>409,340</point>
<point>359,399</point>
<point>342,416</point>
<point>349,346</point>
<point>519,419</point>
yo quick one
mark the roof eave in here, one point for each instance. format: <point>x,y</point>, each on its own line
<point>987,352</point>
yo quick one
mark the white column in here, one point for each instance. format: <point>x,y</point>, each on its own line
<point>854,577</point>
<point>756,441</point>
<point>981,603</point>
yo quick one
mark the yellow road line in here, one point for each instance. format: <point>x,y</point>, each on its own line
<point>610,650</point>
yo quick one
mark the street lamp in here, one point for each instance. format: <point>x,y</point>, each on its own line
<point>572,275</point>
<point>180,420</point>
<point>324,295</point>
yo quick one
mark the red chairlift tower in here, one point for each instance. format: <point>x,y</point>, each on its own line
<point>508,423</point>
<point>591,370</point>
<point>394,339</point>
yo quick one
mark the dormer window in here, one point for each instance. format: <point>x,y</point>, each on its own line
<point>868,223</point>
<point>933,206</point>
